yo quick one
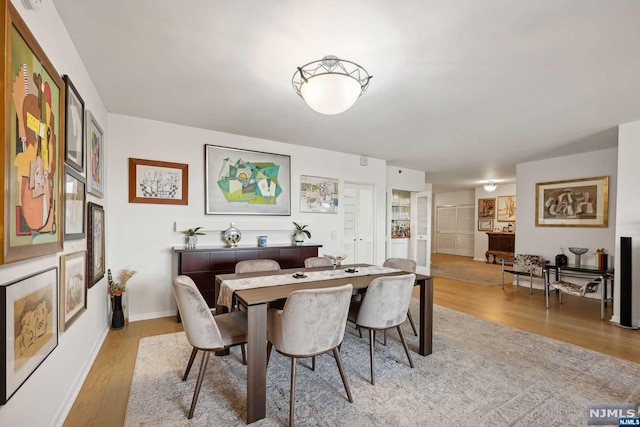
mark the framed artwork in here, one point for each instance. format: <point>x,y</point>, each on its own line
<point>506,208</point>
<point>573,203</point>
<point>152,181</point>
<point>487,208</point>
<point>32,154</point>
<point>74,202</point>
<point>73,287</point>
<point>30,322</point>
<point>318,194</point>
<point>485,224</point>
<point>244,182</point>
<point>95,156</point>
<point>73,127</point>
<point>95,244</point>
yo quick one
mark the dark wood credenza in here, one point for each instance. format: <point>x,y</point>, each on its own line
<point>204,263</point>
<point>501,244</point>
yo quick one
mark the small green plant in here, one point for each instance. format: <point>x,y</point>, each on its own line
<point>194,232</point>
<point>302,229</point>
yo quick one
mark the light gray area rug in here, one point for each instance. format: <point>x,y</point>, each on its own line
<point>480,373</point>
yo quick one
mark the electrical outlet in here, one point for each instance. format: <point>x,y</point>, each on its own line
<point>334,235</point>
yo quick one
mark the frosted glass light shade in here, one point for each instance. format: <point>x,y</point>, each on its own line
<point>330,93</point>
<point>490,186</point>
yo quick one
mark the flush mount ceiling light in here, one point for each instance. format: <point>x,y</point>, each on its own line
<point>490,186</point>
<point>330,85</point>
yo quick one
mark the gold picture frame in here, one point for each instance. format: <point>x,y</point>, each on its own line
<point>73,287</point>
<point>573,203</point>
<point>153,181</point>
<point>487,208</point>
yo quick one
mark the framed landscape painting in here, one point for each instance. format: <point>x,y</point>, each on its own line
<point>74,202</point>
<point>74,127</point>
<point>33,148</point>
<point>245,182</point>
<point>95,155</point>
<point>73,287</point>
<point>318,194</point>
<point>573,203</point>
<point>95,244</point>
<point>30,320</point>
<point>152,181</point>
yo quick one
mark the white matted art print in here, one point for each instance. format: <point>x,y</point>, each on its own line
<point>318,194</point>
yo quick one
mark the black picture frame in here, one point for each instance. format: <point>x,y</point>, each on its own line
<point>74,126</point>
<point>95,244</point>
<point>75,196</point>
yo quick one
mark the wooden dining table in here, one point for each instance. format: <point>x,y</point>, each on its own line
<point>256,301</point>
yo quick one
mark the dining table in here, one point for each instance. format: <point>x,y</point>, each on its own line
<point>276,286</point>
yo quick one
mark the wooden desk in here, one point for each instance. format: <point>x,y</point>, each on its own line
<point>256,301</point>
<point>501,244</point>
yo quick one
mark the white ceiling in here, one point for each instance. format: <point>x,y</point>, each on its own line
<point>461,89</point>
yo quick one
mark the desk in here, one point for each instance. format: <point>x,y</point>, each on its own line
<point>256,301</point>
<point>501,244</point>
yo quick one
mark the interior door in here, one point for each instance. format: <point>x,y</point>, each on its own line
<point>465,228</point>
<point>358,220</point>
<point>421,238</point>
<point>446,230</point>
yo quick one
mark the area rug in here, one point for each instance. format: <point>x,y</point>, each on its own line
<point>480,374</point>
<point>469,271</point>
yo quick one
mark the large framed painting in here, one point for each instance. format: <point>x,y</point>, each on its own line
<point>31,161</point>
<point>486,208</point>
<point>318,194</point>
<point>74,126</point>
<point>95,244</point>
<point>74,202</point>
<point>573,203</point>
<point>95,157</point>
<point>152,181</point>
<point>29,321</point>
<point>244,182</point>
<point>73,287</point>
<point>506,208</point>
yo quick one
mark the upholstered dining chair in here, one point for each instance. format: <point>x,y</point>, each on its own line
<point>312,322</point>
<point>317,261</point>
<point>205,331</point>
<point>255,265</point>
<point>385,306</point>
<point>523,265</point>
<point>409,266</point>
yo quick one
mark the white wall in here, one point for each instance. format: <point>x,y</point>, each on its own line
<point>481,240</point>
<point>46,397</point>
<point>143,235</point>
<point>628,212</point>
<point>405,179</point>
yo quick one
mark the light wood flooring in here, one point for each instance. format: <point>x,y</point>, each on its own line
<point>104,395</point>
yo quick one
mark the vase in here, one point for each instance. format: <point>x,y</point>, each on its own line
<point>192,241</point>
<point>117,319</point>
<point>232,235</point>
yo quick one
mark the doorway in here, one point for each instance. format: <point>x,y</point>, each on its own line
<point>455,227</point>
<point>358,221</point>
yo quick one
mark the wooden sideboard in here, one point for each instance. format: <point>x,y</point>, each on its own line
<point>203,263</point>
<point>501,244</point>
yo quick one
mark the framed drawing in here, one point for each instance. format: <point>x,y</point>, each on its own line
<point>74,126</point>
<point>486,208</point>
<point>74,202</point>
<point>32,159</point>
<point>485,224</point>
<point>573,203</point>
<point>152,181</point>
<point>73,287</point>
<point>318,194</point>
<point>30,323</point>
<point>95,156</point>
<point>506,208</point>
<point>95,244</point>
<point>244,182</point>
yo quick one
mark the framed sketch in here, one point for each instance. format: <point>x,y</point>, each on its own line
<point>32,154</point>
<point>485,224</point>
<point>30,322</point>
<point>318,194</point>
<point>487,208</point>
<point>73,287</point>
<point>506,208</point>
<point>95,157</point>
<point>74,202</point>
<point>244,182</point>
<point>573,203</point>
<point>152,181</point>
<point>73,126</point>
<point>95,244</point>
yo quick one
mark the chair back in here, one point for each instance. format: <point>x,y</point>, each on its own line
<point>199,325</point>
<point>255,265</point>
<point>403,264</point>
<point>528,264</point>
<point>312,321</point>
<point>386,302</point>
<point>317,261</point>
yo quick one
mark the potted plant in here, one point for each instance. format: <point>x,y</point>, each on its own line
<point>192,237</point>
<point>116,290</point>
<point>300,233</point>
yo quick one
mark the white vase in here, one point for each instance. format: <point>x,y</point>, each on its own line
<point>232,235</point>
<point>192,241</point>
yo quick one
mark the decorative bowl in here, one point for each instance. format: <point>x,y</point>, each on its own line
<point>578,251</point>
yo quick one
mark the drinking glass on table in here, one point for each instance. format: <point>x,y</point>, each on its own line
<point>335,260</point>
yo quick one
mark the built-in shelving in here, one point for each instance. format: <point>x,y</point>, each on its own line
<point>401,214</point>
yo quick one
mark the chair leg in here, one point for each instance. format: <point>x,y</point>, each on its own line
<point>384,333</point>
<point>413,325</point>
<point>193,356</point>
<point>372,340</point>
<point>313,363</point>
<point>203,367</point>
<point>336,355</point>
<point>269,347</point>
<point>292,397</point>
<point>244,354</point>
<point>404,343</point>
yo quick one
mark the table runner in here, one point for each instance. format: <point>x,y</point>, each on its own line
<point>228,287</point>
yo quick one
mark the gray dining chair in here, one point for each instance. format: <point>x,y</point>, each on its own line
<point>384,306</point>
<point>409,266</point>
<point>256,265</point>
<point>317,261</point>
<point>205,331</point>
<point>312,322</point>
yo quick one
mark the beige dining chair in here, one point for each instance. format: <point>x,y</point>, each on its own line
<point>256,265</point>
<point>409,266</point>
<point>205,331</point>
<point>317,261</point>
<point>312,322</point>
<point>384,306</point>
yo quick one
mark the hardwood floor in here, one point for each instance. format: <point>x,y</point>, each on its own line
<point>103,398</point>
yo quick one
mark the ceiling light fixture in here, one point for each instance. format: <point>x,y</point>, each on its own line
<point>330,85</point>
<point>490,186</point>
